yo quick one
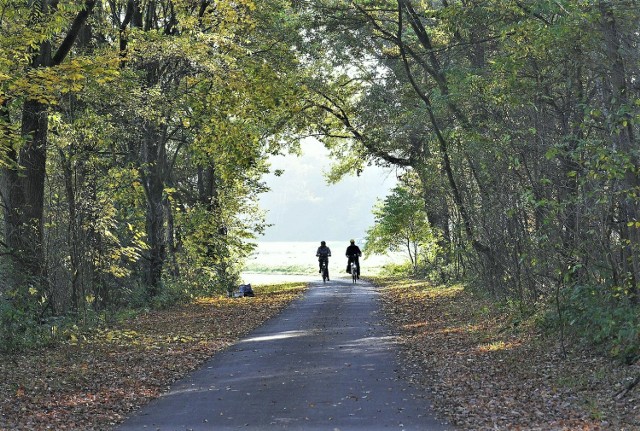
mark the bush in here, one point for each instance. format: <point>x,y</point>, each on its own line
<point>175,292</point>
<point>20,331</point>
<point>604,317</point>
<point>403,269</point>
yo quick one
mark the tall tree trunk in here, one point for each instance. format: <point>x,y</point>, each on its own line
<point>24,197</point>
<point>153,179</point>
<point>23,181</point>
<point>170,240</point>
<point>208,196</point>
<point>623,139</point>
<point>434,70</point>
<point>72,233</point>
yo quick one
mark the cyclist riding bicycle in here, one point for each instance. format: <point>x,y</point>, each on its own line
<point>323,253</point>
<point>353,254</point>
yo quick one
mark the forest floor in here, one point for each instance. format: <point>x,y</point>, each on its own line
<point>489,373</point>
<point>93,381</point>
<point>485,373</point>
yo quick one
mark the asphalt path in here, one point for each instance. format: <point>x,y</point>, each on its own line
<point>327,362</point>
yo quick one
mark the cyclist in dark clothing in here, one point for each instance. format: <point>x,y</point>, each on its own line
<point>323,253</point>
<point>353,254</point>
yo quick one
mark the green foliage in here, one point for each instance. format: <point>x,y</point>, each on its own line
<point>520,121</point>
<point>21,309</point>
<point>158,136</point>
<point>16,327</point>
<point>174,292</point>
<point>20,330</point>
<point>401,224</point>
<point>397,270</point>
<point>512,124</point>
<point>604,317</point>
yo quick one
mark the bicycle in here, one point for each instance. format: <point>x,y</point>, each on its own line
<point>354,269</point>
<point>324,268</point>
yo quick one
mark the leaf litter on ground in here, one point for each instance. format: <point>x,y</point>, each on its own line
<point>94,381</point>
<point>486,373</point>
<point>483,373</point>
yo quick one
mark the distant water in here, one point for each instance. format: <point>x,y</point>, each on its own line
<point>296,261</point>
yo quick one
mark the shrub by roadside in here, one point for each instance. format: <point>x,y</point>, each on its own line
<point>487,373</point>
<point>95,380</point>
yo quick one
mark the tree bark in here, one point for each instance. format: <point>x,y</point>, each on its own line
<point>72,233</point>
<point>24,180</point>
<point>152,173</point>
<point>24,196</point>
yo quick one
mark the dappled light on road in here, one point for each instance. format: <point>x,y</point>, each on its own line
<point>278,336</point>
<point>326,362</point>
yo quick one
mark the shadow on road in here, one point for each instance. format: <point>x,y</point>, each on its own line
<point>326,363</point>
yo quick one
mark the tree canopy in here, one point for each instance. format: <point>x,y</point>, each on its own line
<point>134,138</point>
<point>520,120</point>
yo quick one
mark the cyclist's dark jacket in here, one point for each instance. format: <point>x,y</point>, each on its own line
<point>323,251</point>
<point>353,250</point>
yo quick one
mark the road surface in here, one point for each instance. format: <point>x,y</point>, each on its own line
<point>327,362</point>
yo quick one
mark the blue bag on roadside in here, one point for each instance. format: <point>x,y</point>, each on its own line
<point>245,290</point>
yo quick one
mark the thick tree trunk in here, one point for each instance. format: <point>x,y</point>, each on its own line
<point>24,198</point>
<point>23,181</point>
<point>157,248</point>
<point>172,247</point>
<point>208,196</point>
<point>207,193</point>
<point>153,179</point>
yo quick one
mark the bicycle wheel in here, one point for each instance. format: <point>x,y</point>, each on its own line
<point>325,273</point>
<point>354,272</point>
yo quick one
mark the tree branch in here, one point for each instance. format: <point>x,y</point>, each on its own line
<point>74,31</point>
<point>339,113</point>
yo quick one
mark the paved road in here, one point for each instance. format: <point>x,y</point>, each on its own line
<point>325,363</point>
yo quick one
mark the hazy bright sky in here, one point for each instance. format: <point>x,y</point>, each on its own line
<point>302,207</point>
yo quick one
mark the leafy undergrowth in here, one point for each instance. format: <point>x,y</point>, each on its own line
<point>488,374</point>
<point>95,380</point>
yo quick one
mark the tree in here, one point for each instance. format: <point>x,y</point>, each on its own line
<point>401,223</point>
<point>50,32</point>
<point>155,129</point>
<point>516,117</point>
